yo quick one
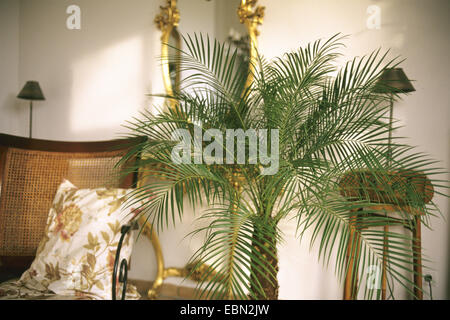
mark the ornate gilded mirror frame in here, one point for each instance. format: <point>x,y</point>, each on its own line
<point>167,21</point>
<point>251,16</point>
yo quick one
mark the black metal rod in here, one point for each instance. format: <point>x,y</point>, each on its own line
<point>123,273</point>
<point>391,120</point>
<point>431,291</point>
<point>31,117</point>
<point>123,276</point>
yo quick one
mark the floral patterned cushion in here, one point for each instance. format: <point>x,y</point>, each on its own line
<point>76,255</point>
<point>31,290</point>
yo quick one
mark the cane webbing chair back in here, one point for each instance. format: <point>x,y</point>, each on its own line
<point>31,171</point>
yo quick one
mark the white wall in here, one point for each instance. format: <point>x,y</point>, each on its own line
<point>13,118</point>
<point>418,31</point>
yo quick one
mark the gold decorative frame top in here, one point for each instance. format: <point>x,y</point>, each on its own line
<point>251,16</point>
<point>169,16</point>
<point>167,21</point>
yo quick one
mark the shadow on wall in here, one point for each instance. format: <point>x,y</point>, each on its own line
<point>94,78</point>
<point>107,87</point>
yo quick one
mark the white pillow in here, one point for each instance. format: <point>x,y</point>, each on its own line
<point>76,255</point>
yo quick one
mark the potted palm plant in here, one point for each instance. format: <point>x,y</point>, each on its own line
<point>318,122</point>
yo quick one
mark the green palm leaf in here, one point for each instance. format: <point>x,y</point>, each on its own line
<point>331,123</point>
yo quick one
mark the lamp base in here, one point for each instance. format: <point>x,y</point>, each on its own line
<point>31,117</point>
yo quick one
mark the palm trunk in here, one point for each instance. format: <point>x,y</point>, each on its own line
<point>267,277</point>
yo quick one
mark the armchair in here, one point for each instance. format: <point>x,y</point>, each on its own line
<point>30,173</point>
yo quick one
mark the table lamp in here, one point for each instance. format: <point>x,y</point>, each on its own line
<point>31,91</point>
<point>393,81</point>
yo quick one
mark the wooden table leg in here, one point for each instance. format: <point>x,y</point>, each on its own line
<point>417,254</point>
<point>351,277</point>
<point>348,276</point>
<point>384,274</point>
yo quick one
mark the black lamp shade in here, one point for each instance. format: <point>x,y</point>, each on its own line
<point>393,80</point>
<point>31,91</point>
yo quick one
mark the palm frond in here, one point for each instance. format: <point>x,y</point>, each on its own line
<point>331,125</point>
